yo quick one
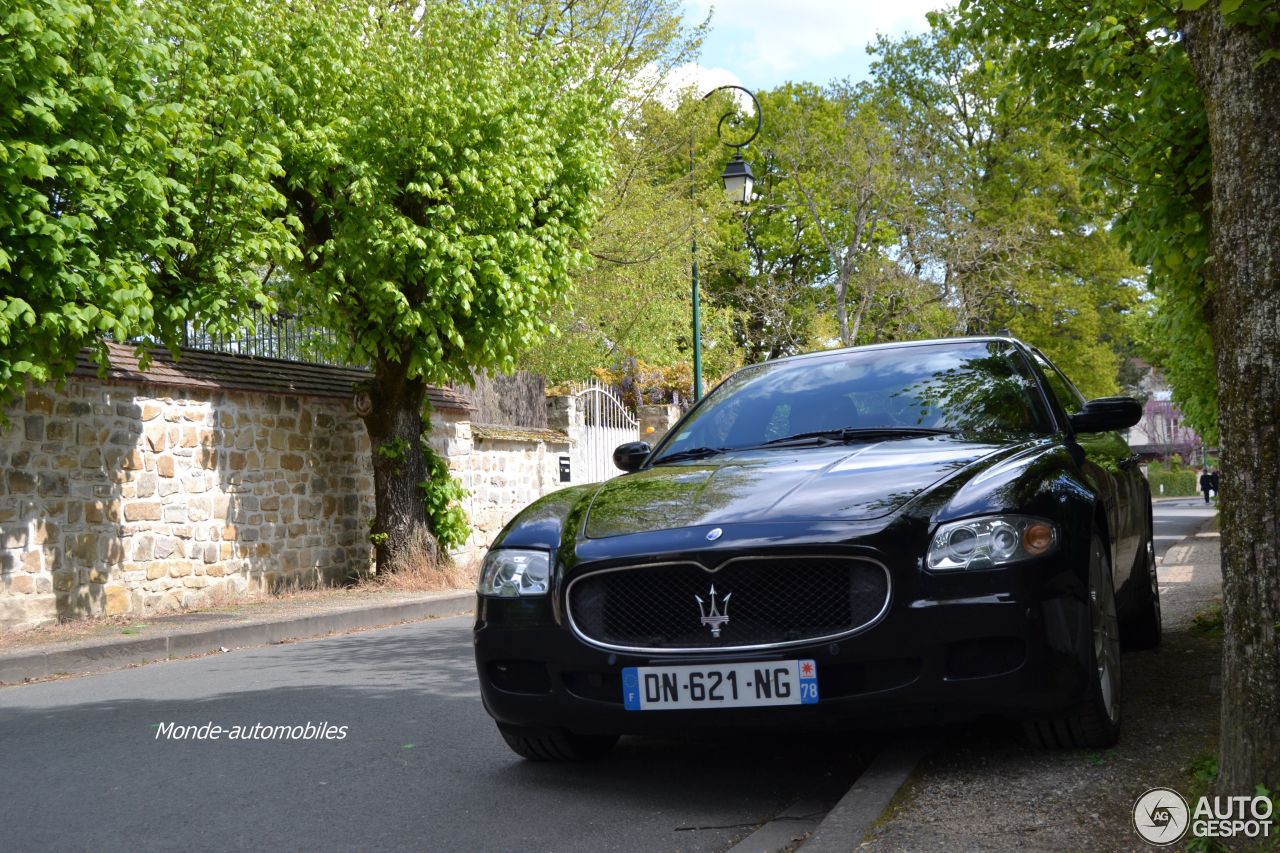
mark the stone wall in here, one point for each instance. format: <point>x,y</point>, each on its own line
<point>219,476</point>
<point>503,469</point>
<point>155,490</point>
<point>122,497</point>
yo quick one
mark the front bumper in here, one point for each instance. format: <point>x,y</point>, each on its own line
<point>1018,648</point>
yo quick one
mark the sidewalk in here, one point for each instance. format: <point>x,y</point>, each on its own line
<point>986,790</point>
<point>93,646</point>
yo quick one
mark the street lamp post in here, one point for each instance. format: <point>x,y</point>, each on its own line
<point>738,182</point>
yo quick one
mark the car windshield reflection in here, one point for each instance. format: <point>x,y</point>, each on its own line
<point>979,389</point>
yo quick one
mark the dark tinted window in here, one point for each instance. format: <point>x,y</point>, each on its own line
<point>1071,400</point>
<point>970,387</point>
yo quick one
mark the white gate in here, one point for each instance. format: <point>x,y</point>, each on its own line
<point>606,424</point>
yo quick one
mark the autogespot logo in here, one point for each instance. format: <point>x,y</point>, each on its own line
<point>1161,816</point>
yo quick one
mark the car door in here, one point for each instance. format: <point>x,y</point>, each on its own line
<point>1110,464</point>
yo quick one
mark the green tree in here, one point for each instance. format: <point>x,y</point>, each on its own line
<point>443,160</point>
<point>999,215</point>
<point>633,299</point>
<point>768,261</point>
<point>1116,82</point>
<point>136,190</point>
<point>842,175</point>
<point>1174,108</point>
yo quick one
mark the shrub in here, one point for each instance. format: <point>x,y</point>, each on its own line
<point>1176,483</point>
<point>442,494</point>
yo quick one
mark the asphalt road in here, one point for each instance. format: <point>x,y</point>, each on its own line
<point>421,766</point>
<point>1177,519</point>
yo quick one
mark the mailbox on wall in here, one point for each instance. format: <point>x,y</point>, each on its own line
<point>564,469</point>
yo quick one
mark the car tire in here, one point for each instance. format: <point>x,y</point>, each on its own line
<point>1095,721</point>
<point>1143,626</point>
<point>556,744</point>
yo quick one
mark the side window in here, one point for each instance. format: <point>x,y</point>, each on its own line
<point>1071,400</point>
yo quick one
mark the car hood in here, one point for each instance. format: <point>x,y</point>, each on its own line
<point>853,482</point>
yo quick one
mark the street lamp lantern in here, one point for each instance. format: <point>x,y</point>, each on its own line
<point>738,179</point>
<point>738,185</point>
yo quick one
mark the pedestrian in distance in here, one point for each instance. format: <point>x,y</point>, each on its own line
<point>1215,478</point>
<point>1206,483</point>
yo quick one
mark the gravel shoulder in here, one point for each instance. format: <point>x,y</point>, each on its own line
<point>985,790</point>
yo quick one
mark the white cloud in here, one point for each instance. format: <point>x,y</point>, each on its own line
<point>700,78</point>
<point>771,38</point>
<point>696,77</point>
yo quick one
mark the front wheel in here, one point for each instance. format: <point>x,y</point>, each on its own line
<point>1095,721</point>
<point>555,744</point>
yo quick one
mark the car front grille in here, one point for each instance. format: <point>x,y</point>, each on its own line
<point>760,602</point>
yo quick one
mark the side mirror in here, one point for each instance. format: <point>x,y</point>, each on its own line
<point>630,456</point>
<point>1107,413</point>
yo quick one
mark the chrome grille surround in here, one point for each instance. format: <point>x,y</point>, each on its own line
<point>867,591</point>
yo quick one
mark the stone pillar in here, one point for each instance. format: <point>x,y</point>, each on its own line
<point>562,413</point>
<point>656,420</point>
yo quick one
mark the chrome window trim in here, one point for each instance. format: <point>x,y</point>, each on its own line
<point>875,620</point>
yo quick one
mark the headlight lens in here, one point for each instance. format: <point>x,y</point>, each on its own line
<point>984,543</point>
<point>509,572</point>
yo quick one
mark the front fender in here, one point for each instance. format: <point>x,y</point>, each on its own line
<point>548,522</point>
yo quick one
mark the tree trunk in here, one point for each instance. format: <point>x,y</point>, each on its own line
<point>842,309</point>
<point>1242,99</point>
<point>395,428</point>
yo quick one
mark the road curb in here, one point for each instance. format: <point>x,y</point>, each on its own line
<point>23,666</point>
<point>858,810</point>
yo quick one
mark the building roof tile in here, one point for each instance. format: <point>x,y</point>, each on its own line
<point>200,369</point>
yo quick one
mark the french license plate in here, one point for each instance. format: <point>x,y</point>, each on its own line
<point>730,685</point>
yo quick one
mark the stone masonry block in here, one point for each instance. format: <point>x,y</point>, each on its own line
<point>142,511</point>
<point>38,401</point>
<point>156,436</point>
<point>13,536</point>
<point>20,584</point>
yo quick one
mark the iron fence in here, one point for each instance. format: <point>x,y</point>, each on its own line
<point>279,335</point>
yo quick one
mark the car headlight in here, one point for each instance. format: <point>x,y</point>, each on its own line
<point>984,543</point>
<point>510,572</point>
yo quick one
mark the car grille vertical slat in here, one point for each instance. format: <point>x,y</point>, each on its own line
<point>771,601</point>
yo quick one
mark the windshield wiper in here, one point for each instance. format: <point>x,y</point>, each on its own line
<point>847,434</point>
<point>691,453</point>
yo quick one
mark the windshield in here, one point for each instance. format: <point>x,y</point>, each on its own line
<point>978,387</point>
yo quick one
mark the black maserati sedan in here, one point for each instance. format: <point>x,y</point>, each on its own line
<point>885,535</point>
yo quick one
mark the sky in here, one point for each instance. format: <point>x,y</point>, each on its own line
<point>761,44</point>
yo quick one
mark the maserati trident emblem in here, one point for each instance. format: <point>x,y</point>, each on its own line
<point>714,534</point>
<point>717,615</point>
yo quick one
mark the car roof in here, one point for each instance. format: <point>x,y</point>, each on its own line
<point>1009,339</point>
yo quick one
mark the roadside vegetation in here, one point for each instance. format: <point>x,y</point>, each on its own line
<point>1170,478</point>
